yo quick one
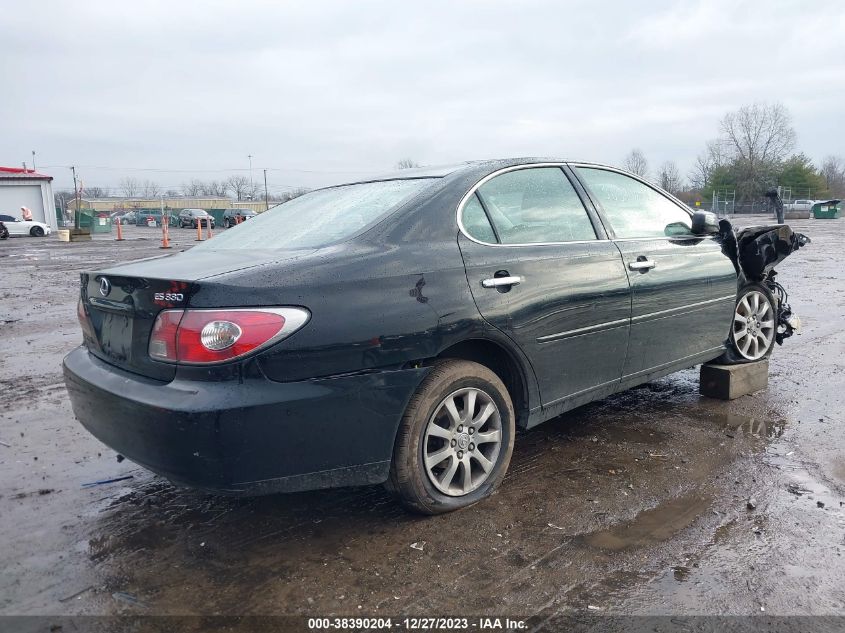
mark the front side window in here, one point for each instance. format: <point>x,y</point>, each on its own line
<point>321,217</point>
<point>535,205</point>
<point>634,209</point>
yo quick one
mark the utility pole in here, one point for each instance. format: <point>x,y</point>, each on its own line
<point>33,160</point>
<point>266,197</point>
<point>251,186</point>
<point>76,197</point>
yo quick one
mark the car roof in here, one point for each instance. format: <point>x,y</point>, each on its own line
<point>481,166</point>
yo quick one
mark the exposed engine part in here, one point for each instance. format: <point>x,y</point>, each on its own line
<point>755,251</point>
<point>787,322</point>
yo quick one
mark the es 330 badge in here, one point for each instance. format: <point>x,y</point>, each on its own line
<point>168,297</point>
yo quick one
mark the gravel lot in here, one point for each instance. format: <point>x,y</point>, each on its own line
<point>637,504</point>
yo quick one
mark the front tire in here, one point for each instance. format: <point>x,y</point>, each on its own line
<point>752,335</point>
<point>455,440</point>
<point>36,231</point>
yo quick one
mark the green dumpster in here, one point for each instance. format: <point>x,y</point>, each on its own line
<point>101,223</point>
<point>827,210</point>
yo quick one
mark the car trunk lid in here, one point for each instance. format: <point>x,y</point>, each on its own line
<point>121,312</point>
<point>122,303</point>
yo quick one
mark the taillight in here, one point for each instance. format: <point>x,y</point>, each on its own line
<point>201,337</point>
<point>84,321</point>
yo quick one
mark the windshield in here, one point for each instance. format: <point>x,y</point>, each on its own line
<point>321,217</point>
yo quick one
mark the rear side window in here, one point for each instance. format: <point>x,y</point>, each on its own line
<point>529,206</point>
<point>321,217</point>
<point>633,208</point>
<point>476,223</point>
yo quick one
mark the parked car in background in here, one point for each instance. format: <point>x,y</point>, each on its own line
<point>231,217</point>
<point>126,217</point>
<point>143,218</point>
<point>799,205</point>
<point>399,330</point>
<point>193,217</point>
<point>150,218</point>
<point>18,227</point>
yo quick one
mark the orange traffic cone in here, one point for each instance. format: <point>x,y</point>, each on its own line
<point>119,237</point>
<point>165,236</point>
<point>209,233</point>
<point>199,232</point>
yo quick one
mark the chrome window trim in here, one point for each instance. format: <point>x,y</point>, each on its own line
<point>645,182</point>
<point>651,186</point>
<point>469,194</point>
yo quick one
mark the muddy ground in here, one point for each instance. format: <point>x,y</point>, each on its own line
<point>637,504</point>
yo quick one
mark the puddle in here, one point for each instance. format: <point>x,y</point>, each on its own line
<point>652,526</point>
<point>757,427</point>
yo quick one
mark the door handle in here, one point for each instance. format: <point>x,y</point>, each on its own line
<point>496,282</point>
<point>643,264</point>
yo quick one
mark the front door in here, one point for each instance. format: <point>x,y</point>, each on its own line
<point>683,287</point>
<point>541,270</point>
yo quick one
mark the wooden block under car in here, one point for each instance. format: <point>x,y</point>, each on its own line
<point>727,382</point>
<point>74,235</point>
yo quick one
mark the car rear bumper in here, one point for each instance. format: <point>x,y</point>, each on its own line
<point>255,436</point>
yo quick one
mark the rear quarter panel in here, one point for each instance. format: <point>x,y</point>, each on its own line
<point>371,307</point>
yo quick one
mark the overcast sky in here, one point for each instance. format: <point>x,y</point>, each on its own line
<point>321,92</point>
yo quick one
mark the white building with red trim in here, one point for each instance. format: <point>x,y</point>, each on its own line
<point>27,188</point>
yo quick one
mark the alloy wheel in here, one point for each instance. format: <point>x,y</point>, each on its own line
<point>754,325</point>
<point>462,441</point>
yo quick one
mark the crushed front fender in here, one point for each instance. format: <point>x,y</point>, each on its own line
<point>755,251</point>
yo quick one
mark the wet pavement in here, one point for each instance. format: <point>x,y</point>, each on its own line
<point>638,504</point>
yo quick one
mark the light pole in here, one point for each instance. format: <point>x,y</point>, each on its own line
<point>250,172</point>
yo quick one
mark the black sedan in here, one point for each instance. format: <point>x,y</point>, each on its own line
<point>399,330</point>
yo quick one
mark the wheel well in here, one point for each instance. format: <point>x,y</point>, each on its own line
<point>500,362</point>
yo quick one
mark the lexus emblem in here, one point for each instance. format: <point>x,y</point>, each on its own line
<point>105,286</point>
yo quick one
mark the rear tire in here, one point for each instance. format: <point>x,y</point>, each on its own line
<point>461,415</point>
<point>36,231</point>
<point>752,334</point>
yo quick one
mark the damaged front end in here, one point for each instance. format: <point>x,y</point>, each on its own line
<point>755,251</point>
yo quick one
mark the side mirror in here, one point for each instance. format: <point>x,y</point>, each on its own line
<point>705,223</point>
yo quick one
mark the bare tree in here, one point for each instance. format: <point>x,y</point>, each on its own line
<point>713,157</point>
<point>293,193</point>
<point>239,185</point>
<point>97,192</point>
<point>150,189</point>
<point>130,187</point>
<point>407,163</point>
<point>669,178</point>
<point>61,197</point>
<point>759,133</point>
<point>758,137</point>
<point>636,163</point>
<point>833,172</point>
<point>193,187</point>
<point>214,188</point>
<point>171,193</point>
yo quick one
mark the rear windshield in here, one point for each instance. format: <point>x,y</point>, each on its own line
<point>321,217</point>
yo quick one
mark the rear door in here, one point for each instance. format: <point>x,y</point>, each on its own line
<point>683,286</point>
<point>542,270</point>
